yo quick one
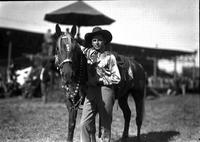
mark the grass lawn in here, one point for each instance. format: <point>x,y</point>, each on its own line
<point>167,119</point>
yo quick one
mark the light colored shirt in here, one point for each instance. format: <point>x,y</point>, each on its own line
<point>106,69</point>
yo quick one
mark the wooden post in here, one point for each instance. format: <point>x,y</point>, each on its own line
<point>155,63</point>
<point>175,68</point>
<point>9,54</point>
<point>193,68</point>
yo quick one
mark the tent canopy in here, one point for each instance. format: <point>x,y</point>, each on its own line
<point>80,14</point>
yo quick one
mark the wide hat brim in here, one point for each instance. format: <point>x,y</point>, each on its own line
<point>106,34</point>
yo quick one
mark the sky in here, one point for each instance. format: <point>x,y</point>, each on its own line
<point>171,24</point>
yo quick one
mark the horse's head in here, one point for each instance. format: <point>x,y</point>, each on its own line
<point>71,64</point>
<point>65,46</point>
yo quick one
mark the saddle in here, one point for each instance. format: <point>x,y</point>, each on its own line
<point>125,67</point>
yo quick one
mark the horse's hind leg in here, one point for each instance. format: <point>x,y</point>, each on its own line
<point>71,121</point>
<point>139,104</point>
<point>123,103</point>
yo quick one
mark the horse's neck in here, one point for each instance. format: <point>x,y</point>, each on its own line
<point>79,49</point>
<point>82,62</point>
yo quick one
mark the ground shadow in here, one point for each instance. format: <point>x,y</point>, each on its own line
<point>162,136</point>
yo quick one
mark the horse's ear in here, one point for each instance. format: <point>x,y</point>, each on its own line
<point>73,30</point>
<point>58,30</point>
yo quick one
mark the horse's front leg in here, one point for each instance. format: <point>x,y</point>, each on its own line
<point>71,120</point>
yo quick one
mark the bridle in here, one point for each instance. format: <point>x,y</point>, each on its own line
<point>63,62</point>
<point>68,87</point>
<point>68,49</point>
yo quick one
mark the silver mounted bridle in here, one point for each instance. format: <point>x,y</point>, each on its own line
<point>67,60</point>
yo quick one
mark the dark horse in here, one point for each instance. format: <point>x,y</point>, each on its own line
<point>73,68</point>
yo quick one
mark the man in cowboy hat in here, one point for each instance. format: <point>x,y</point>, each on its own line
<point>103,73</point>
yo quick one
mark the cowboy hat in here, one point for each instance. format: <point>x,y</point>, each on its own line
<point>98,31</point>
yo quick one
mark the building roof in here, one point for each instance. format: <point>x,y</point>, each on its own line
<point>29,42</point>
<point>22,42</point>
<point>141,51</point>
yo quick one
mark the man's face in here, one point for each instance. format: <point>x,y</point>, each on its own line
<point>98,42</point>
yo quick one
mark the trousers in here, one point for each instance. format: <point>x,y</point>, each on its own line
<point>99,99</point>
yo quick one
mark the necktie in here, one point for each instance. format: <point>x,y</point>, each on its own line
<point>94,56</point>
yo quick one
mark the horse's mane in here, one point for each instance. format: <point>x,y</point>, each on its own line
<point>78,56</point>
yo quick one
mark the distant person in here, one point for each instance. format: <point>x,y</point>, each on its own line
<point>183,85</point>
<point>47,71</point>
<point>32,84</point>
<point>48,36</point>
<point>10,73</point>
<point>3,88</point>
<point>48,42</point>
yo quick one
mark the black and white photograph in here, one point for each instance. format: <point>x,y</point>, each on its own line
<point>99,71</point>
